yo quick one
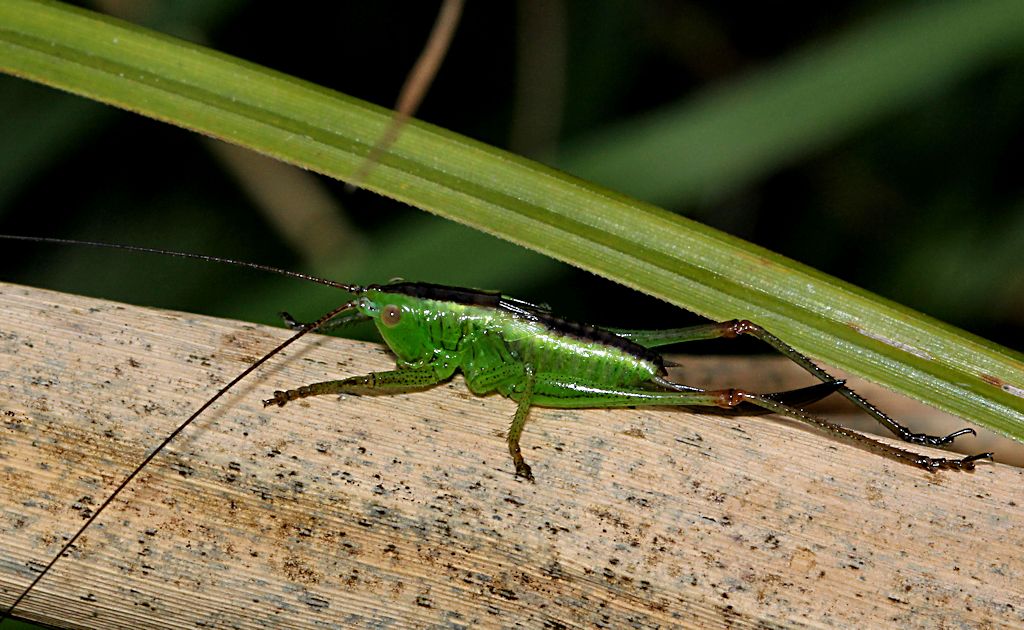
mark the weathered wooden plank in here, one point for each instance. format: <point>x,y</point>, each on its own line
<point>404,511</point>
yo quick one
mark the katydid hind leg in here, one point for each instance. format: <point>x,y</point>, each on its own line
<point>671,336</point>
<point>743,327</point>
<point>733,397</point>
<point>557,391</point>
<point>792,398</point>
<point>736,327</point>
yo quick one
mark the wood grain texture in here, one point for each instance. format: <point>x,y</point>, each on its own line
<point>403,511</point>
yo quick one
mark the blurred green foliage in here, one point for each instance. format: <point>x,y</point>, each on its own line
<point>872,141</point>
<point>895,184</point>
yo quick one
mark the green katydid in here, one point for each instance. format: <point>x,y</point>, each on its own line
<point>524,352</point>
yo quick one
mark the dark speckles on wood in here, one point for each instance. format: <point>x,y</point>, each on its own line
<point>314,602</point>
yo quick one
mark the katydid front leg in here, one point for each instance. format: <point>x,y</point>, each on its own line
<point>379,383</point>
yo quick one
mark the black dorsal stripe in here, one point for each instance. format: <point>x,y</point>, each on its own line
<point>441,293</point>
<point>526,310</point>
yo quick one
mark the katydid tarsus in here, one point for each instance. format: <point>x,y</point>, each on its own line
<point>524,352</point>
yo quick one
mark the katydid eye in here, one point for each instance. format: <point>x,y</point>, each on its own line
<point>390,315</point>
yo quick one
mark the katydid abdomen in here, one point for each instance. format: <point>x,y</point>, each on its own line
<point>547,348</point>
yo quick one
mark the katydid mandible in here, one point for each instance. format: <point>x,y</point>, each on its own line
<point>524,352</point>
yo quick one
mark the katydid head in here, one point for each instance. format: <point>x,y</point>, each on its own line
<point>411,315</point>
<point>403,321</point>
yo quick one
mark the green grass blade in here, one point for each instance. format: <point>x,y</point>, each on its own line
<point>636,244</point>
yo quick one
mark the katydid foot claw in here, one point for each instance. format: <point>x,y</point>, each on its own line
<point>279,399</point>
<point>932,464</point>
<point>523,470</point>
<point>291,322</point>
<point>935,440</point>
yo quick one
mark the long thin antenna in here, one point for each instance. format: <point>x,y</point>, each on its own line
<point>352,288</point>
<point>249,370</point>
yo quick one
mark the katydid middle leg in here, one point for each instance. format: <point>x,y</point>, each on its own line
<point>515,431</point>
<point>516,380</point>
<point>736,327</point>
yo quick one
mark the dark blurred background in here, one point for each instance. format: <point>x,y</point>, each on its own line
<point>915,194</point>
